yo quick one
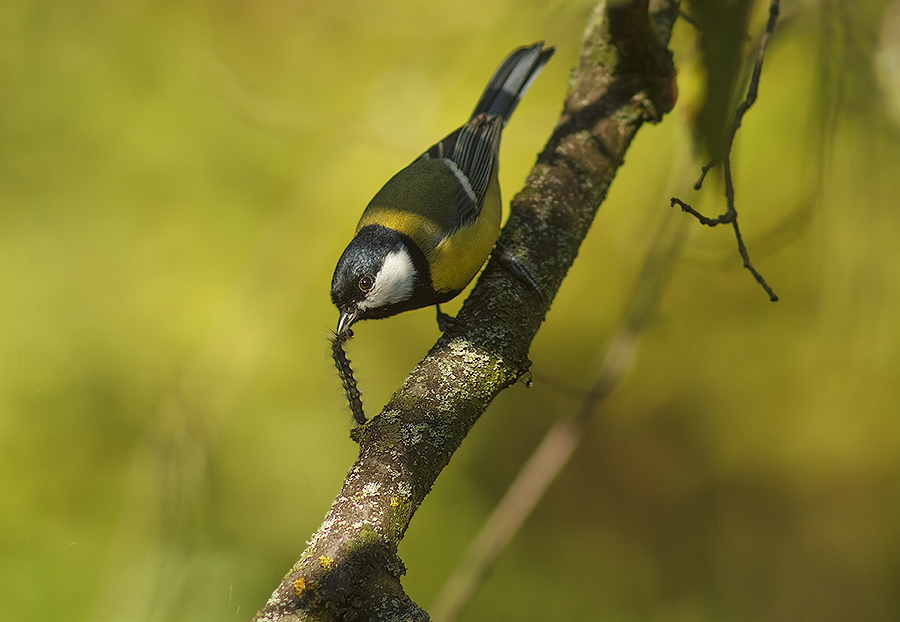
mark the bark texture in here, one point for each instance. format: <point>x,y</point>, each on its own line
<point>350,569</point>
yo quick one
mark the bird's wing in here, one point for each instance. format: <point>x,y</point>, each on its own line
<point>470,153</point>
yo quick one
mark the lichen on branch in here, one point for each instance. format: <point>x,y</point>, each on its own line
<point>624,79</point>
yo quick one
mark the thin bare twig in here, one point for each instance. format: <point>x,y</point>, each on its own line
<point>730,216</point>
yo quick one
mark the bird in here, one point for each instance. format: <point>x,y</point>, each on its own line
<point>425,235</point>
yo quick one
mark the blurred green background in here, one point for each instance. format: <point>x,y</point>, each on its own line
<point>177,180</point>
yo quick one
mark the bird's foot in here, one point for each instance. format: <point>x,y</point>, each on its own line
<point>447,323</point>
<point>517,268</point>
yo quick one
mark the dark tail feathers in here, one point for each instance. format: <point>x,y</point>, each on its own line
<point>512,78</point>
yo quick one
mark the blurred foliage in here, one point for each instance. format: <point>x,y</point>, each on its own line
<point>721,36</point>
<point>176,183</point>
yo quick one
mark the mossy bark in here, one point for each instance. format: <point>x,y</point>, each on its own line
<point>350,569</point>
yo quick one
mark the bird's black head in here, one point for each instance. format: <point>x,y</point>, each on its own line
<point>381,273</point>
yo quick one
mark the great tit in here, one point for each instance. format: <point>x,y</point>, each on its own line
<point>429,230</point>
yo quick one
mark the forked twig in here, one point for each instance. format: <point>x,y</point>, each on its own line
<point>730,216</point>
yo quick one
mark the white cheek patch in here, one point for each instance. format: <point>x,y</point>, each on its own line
<point>393,283</point>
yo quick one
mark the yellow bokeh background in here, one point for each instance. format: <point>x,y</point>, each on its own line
<point>177,181</point>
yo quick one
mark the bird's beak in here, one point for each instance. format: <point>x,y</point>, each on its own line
<point>346,320</point>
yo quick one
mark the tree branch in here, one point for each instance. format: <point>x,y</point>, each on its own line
<point>350,569</point>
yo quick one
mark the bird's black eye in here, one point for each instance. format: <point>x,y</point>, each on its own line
<point>366,282</point>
